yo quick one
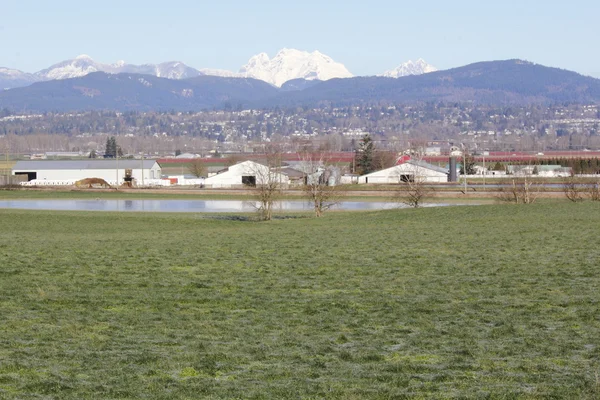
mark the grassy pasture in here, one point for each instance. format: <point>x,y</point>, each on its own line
<point>465,302</point>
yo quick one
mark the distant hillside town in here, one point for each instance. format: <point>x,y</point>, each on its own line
<point>393,127</point>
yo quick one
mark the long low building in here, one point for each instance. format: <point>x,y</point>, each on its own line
<point>112,171</point>
<point>245,174</point>
<point>408,171</point>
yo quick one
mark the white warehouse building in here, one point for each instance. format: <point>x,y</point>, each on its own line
<point>247,173</point>
<point>68,172</point>
<point>408,171</point>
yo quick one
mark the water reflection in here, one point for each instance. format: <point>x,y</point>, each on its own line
<point>207,206</point>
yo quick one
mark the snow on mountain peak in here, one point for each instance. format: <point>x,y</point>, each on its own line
<point>288,64</point>
<point>291,64</point>
<point>10,72</point>
<point>79,66</point>
<point>410,67</point>
<point>84,64</point>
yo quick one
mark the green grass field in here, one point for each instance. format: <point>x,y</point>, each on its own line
<point>492,302</point>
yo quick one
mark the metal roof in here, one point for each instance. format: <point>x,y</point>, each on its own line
<point>424,164</point>
<point>82,164</point>
<point>420,164</point>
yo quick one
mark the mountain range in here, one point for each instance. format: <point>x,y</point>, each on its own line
<point>409,68</point>
<point>508,82</point>
<point>288,64</point>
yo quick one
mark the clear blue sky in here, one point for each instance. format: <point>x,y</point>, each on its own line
<point>367,36</point>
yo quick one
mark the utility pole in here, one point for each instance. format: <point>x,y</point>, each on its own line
<point>484,171</point>
<point>464,151</point>
<point>465,168</point>
<point>117,159</point>
<point>142,167</point>
<point>7,161</point>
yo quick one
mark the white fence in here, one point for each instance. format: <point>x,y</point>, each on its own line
<point>44,182</point>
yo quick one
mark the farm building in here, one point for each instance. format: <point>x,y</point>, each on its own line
<point>295,175</point>
<point>247,173</point>
<point>542,171</point>
<point>407,172</point>
<point>67,172</point>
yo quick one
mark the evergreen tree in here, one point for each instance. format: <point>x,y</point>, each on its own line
<point>364,156</point>
<point>107,149</point>
<point>111,147</point>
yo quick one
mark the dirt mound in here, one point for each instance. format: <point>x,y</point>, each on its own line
<point>90,182</point>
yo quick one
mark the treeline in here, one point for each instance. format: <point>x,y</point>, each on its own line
<point>496,128</point>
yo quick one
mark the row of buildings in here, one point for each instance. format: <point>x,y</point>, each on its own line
<point>243,174</point>
<point>247,173</point>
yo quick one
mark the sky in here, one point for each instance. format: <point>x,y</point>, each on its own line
<point>368,37</point>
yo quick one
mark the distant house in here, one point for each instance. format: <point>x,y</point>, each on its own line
<point>543,171</point>
<point>433,151</point>
<point>247,173</point>
<point>408,171</point>
<point>187,156</point>
<point>67,172</point>
<point>66,154</point>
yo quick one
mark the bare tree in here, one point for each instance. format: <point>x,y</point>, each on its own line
<point>572,190</point>
<point>384,159</point>
<point>269,183</point>
<point>522,190</point>
<point>233,159</point>
<point>593,191</point>
<point>412,180</point>
<point>321,183</point>
<point>197,167</point>
<point>519,192</point>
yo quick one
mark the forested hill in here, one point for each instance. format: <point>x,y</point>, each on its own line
<point>495,83</point>
<point>134,92</point>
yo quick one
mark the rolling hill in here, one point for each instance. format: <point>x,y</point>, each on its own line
<point>495,82</point>
<point>123,92</point>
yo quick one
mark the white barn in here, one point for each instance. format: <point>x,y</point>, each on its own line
<point>247,173</point>
<point>68,172</point>
<point>408,171</point>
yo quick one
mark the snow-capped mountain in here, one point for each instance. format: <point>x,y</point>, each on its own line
<point>170,70</point>
<point>220,72</point>
<point>291,64</point>
<point>287,65</point>
<point>418,67</point>
<point>11,78</point>
<point>84,64</point>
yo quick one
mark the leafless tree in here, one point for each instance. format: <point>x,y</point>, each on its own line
<point>519,192</point>
<point>413,189</point>
<point>572,189</point>
<point>197,168</point>
<point>522,190</point>
<point>321,182</point>
<point>384,159</point>
<point>233,159</point>
<point>269,183</point>
<point>593,191</point>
